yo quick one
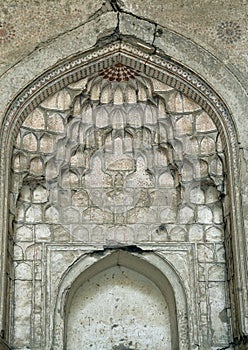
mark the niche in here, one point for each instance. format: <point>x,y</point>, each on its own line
<point>120,306</point>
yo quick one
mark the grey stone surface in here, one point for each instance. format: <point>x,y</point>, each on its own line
<point>144,30</point>
<point>112,187</point>
<point>220,27</point>
<point>121,169</point>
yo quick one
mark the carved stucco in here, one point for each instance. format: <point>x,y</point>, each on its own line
<point>171,73</point>
<point>117,159</point>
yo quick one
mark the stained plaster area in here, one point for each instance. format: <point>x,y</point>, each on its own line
<point>37,35</point>
<point>25,25</point>
<point>209,37</point>
<point>152,317</point>
<point>59,215</point>
<point>218,26</point>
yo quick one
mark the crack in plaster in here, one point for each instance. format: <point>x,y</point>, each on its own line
<point>177,33</point>
<point>116,6</point>
<point>237,343</point>
<point>229,346</point>
<point>106,7</point>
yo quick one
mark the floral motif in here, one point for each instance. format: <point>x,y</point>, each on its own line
<point>7,32</point>
<point>229,32</point>
<point>119,72</point>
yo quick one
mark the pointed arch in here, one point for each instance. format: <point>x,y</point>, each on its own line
<point>168,71</point>
<point>150,265</point>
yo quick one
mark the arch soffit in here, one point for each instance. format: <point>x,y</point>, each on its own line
<point>151,265</point>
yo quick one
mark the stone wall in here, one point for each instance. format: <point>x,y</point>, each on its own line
<point>114,160</point>
<point>120,321</point>
<point>127,182</point>
<point>218,26</point>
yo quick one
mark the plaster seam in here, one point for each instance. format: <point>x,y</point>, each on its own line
<point>116,8</point>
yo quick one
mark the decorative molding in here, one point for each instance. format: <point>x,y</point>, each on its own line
<point>136,57</point>
<point>4,345</point>
<point>156,65</point>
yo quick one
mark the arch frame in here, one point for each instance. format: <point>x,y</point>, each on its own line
<point>151,265</point>
<point>157,64</point>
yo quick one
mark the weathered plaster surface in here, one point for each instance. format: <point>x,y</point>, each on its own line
<point>200,21</point>
<point>101,174</point>
<point>121,322</point>
<point>176,46</point>
<point>190,32</point>
<point>35,23</point>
